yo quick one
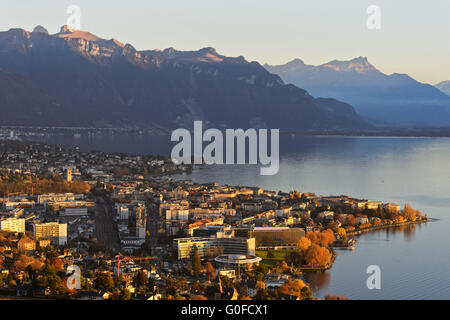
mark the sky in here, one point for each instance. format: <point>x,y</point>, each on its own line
<point>413,37</point>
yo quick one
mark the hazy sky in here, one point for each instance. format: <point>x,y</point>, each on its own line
<point>413,39</point>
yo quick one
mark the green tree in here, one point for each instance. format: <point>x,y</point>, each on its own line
<point>125,294</point>
<point>103,280</point>
<point>306,293</point>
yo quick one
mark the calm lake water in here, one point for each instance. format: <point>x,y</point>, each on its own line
<point>414,261</point>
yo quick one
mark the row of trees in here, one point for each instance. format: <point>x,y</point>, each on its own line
<point>42,186</point>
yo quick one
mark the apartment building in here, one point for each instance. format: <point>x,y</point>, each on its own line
<point>13,225</point>
<point>56,232</point>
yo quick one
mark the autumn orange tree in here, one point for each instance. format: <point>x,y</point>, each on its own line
<point>410,213</point>
<point>304,244</point>
<point>317,256</point>
<point>210,271</point>
<point>42,186</point>
<point>324,238</point>
<point>296,288</point>
<point>23,261</point>
<point>341,233</point>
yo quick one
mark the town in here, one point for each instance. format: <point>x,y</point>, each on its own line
<point>134,232</point>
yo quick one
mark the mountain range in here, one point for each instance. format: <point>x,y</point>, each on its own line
<point>75,78</point>
<point>392,100</point>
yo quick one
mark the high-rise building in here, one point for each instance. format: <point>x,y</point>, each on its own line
<point>56,232</point>
<point>140,212</point>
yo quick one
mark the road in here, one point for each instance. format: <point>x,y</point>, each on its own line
<point>153,220</point>
<point>105,226</point>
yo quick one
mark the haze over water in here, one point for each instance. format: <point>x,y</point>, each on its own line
<point>414,261</point>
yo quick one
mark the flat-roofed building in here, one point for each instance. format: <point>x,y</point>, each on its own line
<point>211,247</point>
<point>270,237</point>
<point>74,212</point>
<point>56,232</point>
<point>55,197</point>
<point>13,225</point>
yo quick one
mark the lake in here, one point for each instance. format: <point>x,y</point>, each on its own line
<point>414,261</point>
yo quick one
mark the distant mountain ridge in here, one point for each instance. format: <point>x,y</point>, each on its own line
<point>384,99</point>
<point>105,83</point>
<point>444,86</point>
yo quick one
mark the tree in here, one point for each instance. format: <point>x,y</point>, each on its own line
<point>312,236</point>
<point>292,287</point>
<point>317,256</point>
<point>22,262</point>
<point>196,261</point>
<point>295,258</point>
<point>120,281</point>
<point>55,283</point>
<point>341,233</point>
<point>58,264</point>
<point>306,293</point>
<point>210,271</point>
<point>410,213</point>
<point>351,220</point>
<point>140,279</point>
<point>125,294</point>
<point>103,280</point>
<point>304,244</point>
<point>325,238</point>
<point>197,287</point>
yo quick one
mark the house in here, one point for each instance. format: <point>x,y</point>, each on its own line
<point>362,219</point>
<point>326,215</point>
<point>26,244</point>
<point>391,207</point>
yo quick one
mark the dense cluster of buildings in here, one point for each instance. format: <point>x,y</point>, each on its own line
<point>152,214</point>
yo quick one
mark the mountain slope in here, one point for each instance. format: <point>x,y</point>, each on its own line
<point>388,99</point>
<point>116,85</point>
<point>30,105</point>
<point>444,86</point>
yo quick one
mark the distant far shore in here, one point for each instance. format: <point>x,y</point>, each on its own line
<point>376,132</point>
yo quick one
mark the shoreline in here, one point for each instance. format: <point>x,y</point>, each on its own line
<point>388,226</point>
